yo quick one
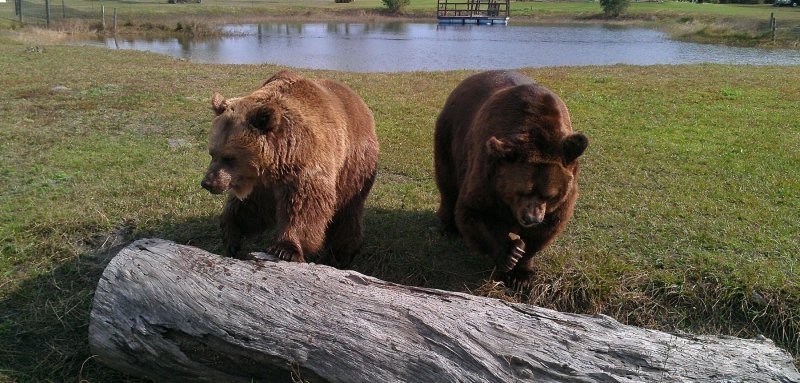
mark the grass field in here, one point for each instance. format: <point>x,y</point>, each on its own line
<point>711,23</point>
<point>690,191</point>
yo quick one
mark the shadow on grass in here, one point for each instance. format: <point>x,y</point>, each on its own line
<point>44,325</point>
<point>44,322</point>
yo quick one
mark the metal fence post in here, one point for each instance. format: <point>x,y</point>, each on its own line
<point>773,25</point>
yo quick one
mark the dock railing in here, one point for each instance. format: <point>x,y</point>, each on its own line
<point>472,9</point>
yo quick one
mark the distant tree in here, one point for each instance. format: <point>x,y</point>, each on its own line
<point>395,5</point>
<point>614,8</point>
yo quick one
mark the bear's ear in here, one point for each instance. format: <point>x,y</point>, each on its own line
<point>264,119</point>
<point>218,103</point>
<point>573,146</point>
<point>284,75</point>
<point>500,148</point>
<point>549,103</point>
<point>540,105</point>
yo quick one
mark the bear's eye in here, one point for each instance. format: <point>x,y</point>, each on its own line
<point>227,160</point>
<point>550,194</point>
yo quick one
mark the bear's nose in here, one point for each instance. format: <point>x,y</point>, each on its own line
<point>205,184</point>
<point>530,219</point>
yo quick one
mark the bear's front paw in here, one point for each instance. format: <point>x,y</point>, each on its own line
<point>518,280</point>
<point>286,251</point>
<point>514,254</point>
<point>231,251</point>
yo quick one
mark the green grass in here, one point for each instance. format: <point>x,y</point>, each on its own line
<point>690,191</point>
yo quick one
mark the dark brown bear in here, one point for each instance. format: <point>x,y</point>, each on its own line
<point>506,167</point>
<point>298,155</point>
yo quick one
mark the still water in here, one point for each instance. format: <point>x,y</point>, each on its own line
<point>400,47</point>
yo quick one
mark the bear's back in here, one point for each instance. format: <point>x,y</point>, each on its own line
<point>453,137</point>
<point>361,157</point>
<point>470,95</point>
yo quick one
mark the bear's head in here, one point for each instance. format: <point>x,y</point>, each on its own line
<point>241,143</point>
<point>534,165</point>
<point>529,183</point>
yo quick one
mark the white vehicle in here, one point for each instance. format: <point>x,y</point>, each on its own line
<point>793,3</point>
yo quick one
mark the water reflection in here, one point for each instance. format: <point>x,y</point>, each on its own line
<point>396,46</point>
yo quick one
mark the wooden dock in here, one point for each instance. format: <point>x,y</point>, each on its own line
<point>473,12</point>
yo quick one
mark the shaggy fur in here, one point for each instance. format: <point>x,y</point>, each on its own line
<point>298,155</point>
<point>506,162</point>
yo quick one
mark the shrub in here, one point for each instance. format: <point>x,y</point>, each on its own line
<point>395,5</point>
<point>613,8</point>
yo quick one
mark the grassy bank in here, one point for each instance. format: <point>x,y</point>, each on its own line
<point>710,23</point>
<point>690,192</point>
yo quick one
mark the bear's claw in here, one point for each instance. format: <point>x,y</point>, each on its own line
<point>263,257</point>
<point>515,254</point>
<point>285,253</point>
<point>513,258</point>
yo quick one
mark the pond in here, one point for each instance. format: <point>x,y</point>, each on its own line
<point>400,47</point>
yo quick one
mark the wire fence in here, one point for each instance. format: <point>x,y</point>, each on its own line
<point>45,12</point>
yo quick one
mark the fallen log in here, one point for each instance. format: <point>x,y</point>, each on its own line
<point>170,312</point>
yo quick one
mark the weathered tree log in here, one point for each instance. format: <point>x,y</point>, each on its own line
<point>175,313</point>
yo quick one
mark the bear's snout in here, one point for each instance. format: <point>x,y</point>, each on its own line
<point>214,186</point>
<point>530,219</point>
<point>533,215</point>
<point>206,185</point>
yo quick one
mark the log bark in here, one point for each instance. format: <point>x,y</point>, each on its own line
<point>170,312</point>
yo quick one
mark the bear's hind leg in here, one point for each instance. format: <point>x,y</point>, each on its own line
<point>344,236</point>
<point>445,180</point>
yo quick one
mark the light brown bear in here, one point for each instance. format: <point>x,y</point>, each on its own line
<point>506,168</point>
<point>298,155</point>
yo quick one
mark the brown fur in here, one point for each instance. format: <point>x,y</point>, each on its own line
<point>506,162</point>
<point>298,155</point>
